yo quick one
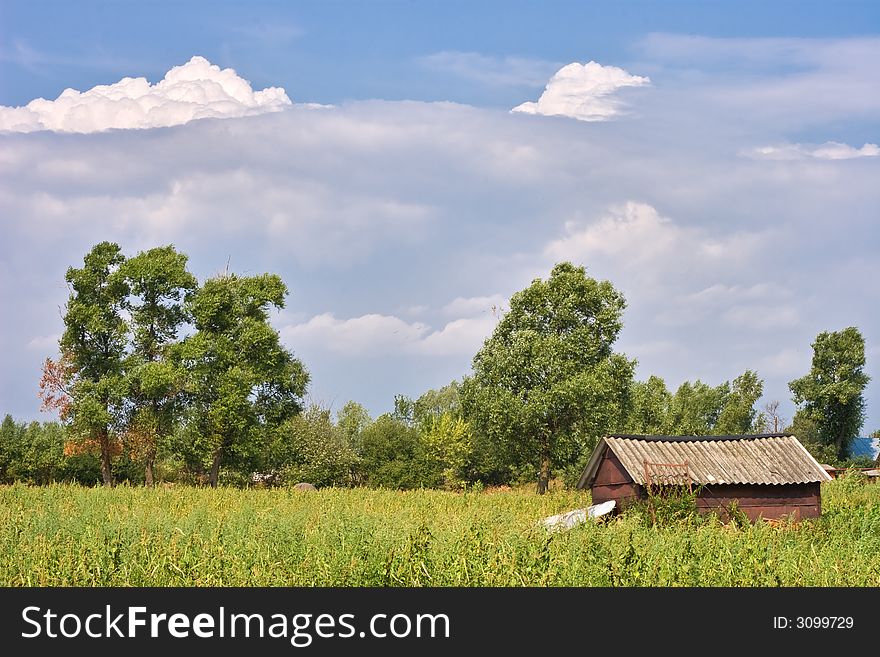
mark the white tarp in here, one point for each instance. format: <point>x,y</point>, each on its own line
<point>571,518</point>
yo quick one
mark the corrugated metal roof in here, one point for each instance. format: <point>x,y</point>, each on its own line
<point>759,459</point>
<point>748,460</point>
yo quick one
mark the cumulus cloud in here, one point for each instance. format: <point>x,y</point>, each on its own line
<point>195,90</point>
<point>583,91</point>
<point>830,150</point>
<point>637,235</point>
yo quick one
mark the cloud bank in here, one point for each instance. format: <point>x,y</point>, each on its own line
<point>195,90</point>
<point>830,150</point>
<point>402,227</point>
<point>585,92</point>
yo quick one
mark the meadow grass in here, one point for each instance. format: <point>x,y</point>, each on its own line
<point>72,536</point>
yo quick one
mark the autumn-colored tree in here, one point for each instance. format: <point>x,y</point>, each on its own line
<point>86,385</point>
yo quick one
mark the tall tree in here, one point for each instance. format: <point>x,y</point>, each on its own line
<point>649,407</point>
<point>241,381</point>
<point>696,408</point>
<point>159,284</point>
<point>547,383</point>
<point>832,394</point>
<point>738,413</point>
<point>87,382</point>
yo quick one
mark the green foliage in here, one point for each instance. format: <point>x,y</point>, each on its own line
<point>434,403</point>
<point>668,506</point>
<point>696,409</point>
<point>182,536</point>
<point>546,383</point>
<point>241,382</point>
<point>832,394</point>
<point>94,343</point>
<point>393,456</point>
<point>316,451</point>
<point>351,420</point>
<point>448,447</point>
<point>34,453</point>
<point>159,284</point>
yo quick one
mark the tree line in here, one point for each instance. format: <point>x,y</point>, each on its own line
<point>160,378</point>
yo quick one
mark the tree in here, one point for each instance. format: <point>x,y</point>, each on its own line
<point>546,384</point>
<point>696,409</point>
<point>351,421</point>
<point>159,285</point>
<point>87,382</point>
<point>738,415</point>
<point>831,395</point>
<point>241,382</point>
<point>310,448</point>
<point>649,407</point>
<point>445,434</point>
<point>393,456</point>
<point>772,421</point>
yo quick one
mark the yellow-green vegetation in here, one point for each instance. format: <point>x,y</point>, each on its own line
<point>69,535</point>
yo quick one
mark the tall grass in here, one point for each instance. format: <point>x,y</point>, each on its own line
<point>67,535</point>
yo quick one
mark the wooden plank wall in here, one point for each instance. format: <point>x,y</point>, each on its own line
<point>800,500</point>
<point>612,481</point>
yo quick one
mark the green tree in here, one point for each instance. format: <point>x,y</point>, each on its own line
<point>831,395</point>
<point>93,348</point>
<point>241,382</point>
<point>448,447</point>
<point>437,402</point>
<point>738,413</point>
<point>351,420</point>
<point>12,446</point>
<point>547,383</point>
<point>316,451</point>
<point>695,408</point>
<point>159,285</point>
<point>649,407</point>
<point>393,456</point>
<point>445,434</point>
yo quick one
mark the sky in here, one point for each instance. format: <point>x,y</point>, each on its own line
<point>407,166</point>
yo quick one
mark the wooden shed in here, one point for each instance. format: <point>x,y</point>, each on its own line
<point>768,475</point>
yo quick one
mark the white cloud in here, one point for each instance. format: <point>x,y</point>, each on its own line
<point>583,91</point>
<point>374,335</point>
<point>830,150</point>
<point>638,236</point>
<point>367,335</point>
<point>195,90</point>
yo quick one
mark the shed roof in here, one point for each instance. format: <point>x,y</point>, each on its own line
<point>772,458</point>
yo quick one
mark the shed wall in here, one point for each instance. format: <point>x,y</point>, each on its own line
<point>755,500</point>
<point>772,502</point>
<point>612,481</point>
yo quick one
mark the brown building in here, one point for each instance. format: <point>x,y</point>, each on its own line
<point>768,475</point>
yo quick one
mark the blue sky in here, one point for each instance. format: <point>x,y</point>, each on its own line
<point>717,162</point>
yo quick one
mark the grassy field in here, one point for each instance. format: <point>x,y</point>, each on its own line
<point>66,535</point>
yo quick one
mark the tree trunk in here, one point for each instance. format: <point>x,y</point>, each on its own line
<point>544,474</point>
<point>840,443</point>
<point>215,468</point>
<point>106,472</point>
<point>148,469</point>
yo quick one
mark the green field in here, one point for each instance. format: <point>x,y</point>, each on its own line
<point>68,535</point>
